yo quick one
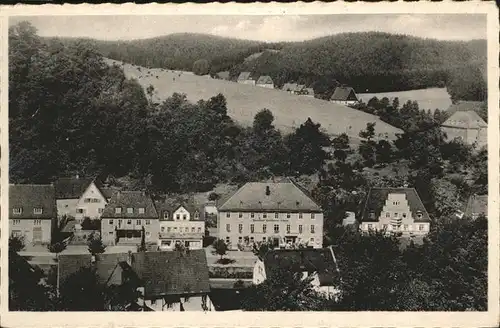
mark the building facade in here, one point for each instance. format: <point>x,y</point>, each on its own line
<point>181,222</point>
<point>32,212</point>
<point>397,210</point>
<point>278,212</point>
<point>128,216</point>
<point>344,96</point>
<point>467,126</point>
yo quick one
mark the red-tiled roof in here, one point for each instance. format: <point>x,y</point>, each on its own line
<point>27,197</point>
<point>320,261</point>
<point>282,196</point>
<point>376,198</point>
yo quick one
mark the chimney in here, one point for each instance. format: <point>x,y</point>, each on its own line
<point>129,258</point>
<point>268,191</point>
<point>77,176</point>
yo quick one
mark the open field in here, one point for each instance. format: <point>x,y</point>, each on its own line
<point>431,98</point>
<point>244,101</point>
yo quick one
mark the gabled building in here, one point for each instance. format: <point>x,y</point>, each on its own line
<point>265,81</point>
<point>246,78</point>
<point>181,222</point>
<point>476,205</point>
<point>293,88</point>
<point>166,281</point>
<point>345,96</point>
<point>395,210</point>
<point>81,198</point>
<point>279,212</point>
<point>32,212</point>
<point>320,265</point>
<point>467,126</point>
<point>129,215</point>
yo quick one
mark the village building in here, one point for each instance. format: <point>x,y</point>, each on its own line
<point>279,212</point>
<point>265,81</point>
<point>224,75</point>
<point>81,198</point>
<point>467,126</point>
<point>32,212</point>
<point>476,205</point>
<point>128,217</point>
<point>319,265</point>
<point>165,281</point>
<point>245,78</point>
<point>308,92</point>
<point>344,96</point>
<point>181,222</point>
<point>293,88</point>
<point>395,210</point>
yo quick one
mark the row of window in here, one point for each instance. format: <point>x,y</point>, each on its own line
<point>129,221</point>
<point>19,210</point>
<point>84,210</point>
<point>264,228</point>
<point>181,229</point>
<point>130,210</point>
<point>91,200</point>
<point>35,222</point>
<point>178,216</point>
<point>405,227</point>
<point>148,234</point>
<point>252,240</point>
<point>264,215</point>
<point>388,215</point>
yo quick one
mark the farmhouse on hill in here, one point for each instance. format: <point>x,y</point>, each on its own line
<point>467,126</point>
<point>245,78</point>
<point>293,88</point>
<point>279,212</point>
<point>265,81</point>
<point>395,210</point>
<point>344,96</point>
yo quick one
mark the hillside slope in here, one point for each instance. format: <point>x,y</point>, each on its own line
<point>244,101</point>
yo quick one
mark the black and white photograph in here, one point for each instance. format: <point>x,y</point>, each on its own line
<point>232,163</point>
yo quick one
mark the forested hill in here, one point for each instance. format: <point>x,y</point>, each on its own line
<point>370,61</point>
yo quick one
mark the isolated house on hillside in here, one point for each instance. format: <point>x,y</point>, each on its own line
<point>81,197</point>
<point>129,215</point>
<point>344,96</point>
<point>280,212</point>
<point>181,222</point>
<point>265,81</point>
<point>467,126</point>
<point>32,212</point>
<point>477,205</point>
<point>166,281</point>
<point>246,78</point>
<point>224,75</point>
<point>320,265</point>
<point>395,210</point>
<point>293,88</point>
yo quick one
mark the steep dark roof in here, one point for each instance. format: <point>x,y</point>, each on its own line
<point>462,106</point>
<point>30,196</point>
<point>344,94</point>
<point>311,260</point>
<point>477,205</point>
<point>244,76</point>
<point>465,120</point>
<point>265,79</point>
<point>376,198</point>
<point>283,196</point>
<point>71,188</point>
<point>171,204</point>
<point>172,273</point>
<point>108,192</point>
<point>133,199</point>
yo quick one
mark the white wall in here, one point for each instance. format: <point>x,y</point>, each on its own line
<point>91,209</point>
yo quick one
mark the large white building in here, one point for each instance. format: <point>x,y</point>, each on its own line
<point>280,212</point>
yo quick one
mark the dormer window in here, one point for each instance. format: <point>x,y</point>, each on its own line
<point>37,210</point>
<point>372,215</point>
<point>196,214</point>
<point>118,210</point>
<point>18,210</point>
<point>165,215</point>
<point>419,214</point>
<point>130,210</point>
<point>141,210</point>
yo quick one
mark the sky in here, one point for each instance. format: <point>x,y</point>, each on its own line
<point>262,28</point>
